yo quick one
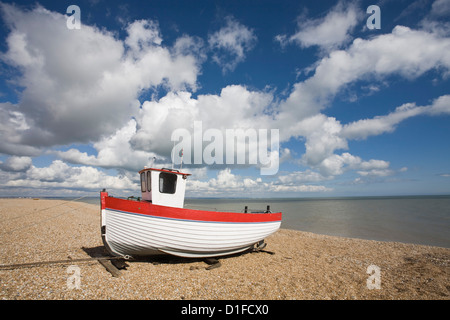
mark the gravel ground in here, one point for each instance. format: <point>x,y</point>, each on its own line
<point>303,266</point>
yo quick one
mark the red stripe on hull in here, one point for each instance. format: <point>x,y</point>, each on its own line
<point>147,208</point>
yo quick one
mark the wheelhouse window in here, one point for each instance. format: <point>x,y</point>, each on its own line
<point>143,189</point>
<point>149,181</point>
<point>167,182</point>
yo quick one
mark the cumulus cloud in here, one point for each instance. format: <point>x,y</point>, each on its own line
<point>142,34</point>
<point>148,135</point>
<point>82,84</point>
<point>234,107</point>
<point>61,178</point>
<point>338,164</point>
<point>302,176</point>
<point>16,164</point>
<point>328,32</point>
<point>363,128</point>
<point>224,183</point>
<point>231,44</point>
<point>300,113</point>
<point>440,8</point>
<point>437,20</point>
<point>227,183</point>
<point>13,125</point>
<point>325,135</point>
<point>114,151</point>
<point>420,51</point>
<point>371,59</point>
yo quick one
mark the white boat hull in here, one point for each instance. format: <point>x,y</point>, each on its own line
<point>135,234</point>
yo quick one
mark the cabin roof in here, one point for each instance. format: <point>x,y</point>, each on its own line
<point>165,170</point>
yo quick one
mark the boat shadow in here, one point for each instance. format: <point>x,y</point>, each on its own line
<point>101,252</point>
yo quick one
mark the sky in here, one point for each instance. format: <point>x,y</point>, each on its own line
<point>356,101</point>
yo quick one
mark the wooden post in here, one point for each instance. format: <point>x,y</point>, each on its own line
<point>110,268</point>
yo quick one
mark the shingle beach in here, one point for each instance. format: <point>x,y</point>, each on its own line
<point>296,265</point>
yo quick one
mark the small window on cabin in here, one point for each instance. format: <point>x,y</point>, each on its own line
<point>167,182</point>
<point>143,189</point>
<point>149,181</point>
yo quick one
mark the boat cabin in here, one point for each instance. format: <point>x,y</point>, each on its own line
<point>164,187</point>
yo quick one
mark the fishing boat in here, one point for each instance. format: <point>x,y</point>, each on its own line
<point>158,223</point>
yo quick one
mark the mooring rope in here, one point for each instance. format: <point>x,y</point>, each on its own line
<point>68,261</point>
<point>39,263</point>
<point>39,222</point>
<point>40,210</point>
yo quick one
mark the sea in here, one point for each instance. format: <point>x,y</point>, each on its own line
<point>409,219</point>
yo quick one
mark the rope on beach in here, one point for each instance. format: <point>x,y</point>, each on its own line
<point>34,212</point>
<point>43,220</point>
<point>38,222</point>
<point>41,263</point>
<point>101,259</point>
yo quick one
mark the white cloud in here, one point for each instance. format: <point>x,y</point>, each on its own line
<point>58,171</point>
<point>300,188</point>
<point>437,20</point>
<point>16,164</point>
<point>113,151</point>
<point>409,53</point>
<point>82,84</point>
<point>227,183</point>
<point>439,106</point>
<point>302,176</point>
<point>325,135</point>
<point>148,134</point>
<point>13,124</point>
<point>440,8</point>
<point>299,115</point>
<point>336,165</point>
<point>235,107</point>
<point>376,173</point>
<point>322,138</point>
<point>363,128</point>
<point>187,45</point>
<point>61,178</point>
<point>231,43</point>
<point>142,34</point>
<point>328,32</point>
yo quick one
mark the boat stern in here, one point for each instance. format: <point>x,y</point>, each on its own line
<point>103,196</point>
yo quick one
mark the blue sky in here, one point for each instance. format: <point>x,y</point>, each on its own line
<point>359,111</point>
